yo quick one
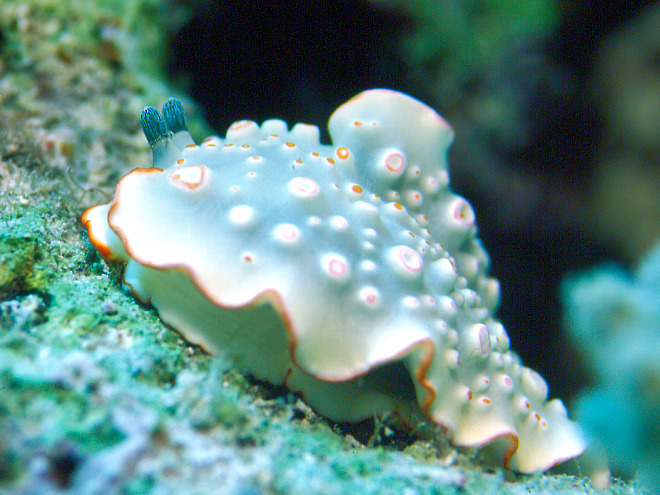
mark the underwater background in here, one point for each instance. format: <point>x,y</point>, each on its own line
<point>556,110</point>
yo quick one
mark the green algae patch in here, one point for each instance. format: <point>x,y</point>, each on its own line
<point>20,269</point>
<point>57,392</point>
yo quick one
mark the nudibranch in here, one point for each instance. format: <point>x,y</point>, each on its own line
<point>349,272</point>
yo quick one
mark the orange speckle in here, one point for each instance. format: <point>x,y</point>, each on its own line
<point>245,146</point>
<point>191,146</point>
<point>357,122</point>
<point>299,161</point>
<point>470,394</point>
<point>274,135</point>
<point>485,400</point>
<point>537,416</point>
<point>211,145</point>
<point>188,177</point>
<point>247,258</point>
<point>395,162</point>
<point>315,154</point>
<point>417,172</point>
<point>398,206</point>
<point>291,145</point>
<point>357,189</point>
<point>330,160</point>
<point>342,153</point>
<point>411,234</point>
<point>228,145</point>
<point>207,140</point>
<point>180,161</point>
<point>242,124</point>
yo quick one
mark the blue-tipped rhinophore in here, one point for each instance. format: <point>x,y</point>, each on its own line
<point>153,126</point>
<point>174,115</point>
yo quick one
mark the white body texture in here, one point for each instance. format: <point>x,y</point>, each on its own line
<point>350,272</point>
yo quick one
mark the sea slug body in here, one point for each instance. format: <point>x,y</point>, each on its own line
<point>349,272</point>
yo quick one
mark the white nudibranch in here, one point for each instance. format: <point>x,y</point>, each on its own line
<point>325,267</point>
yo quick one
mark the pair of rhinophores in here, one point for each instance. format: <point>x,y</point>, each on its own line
<point>349,272</point>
